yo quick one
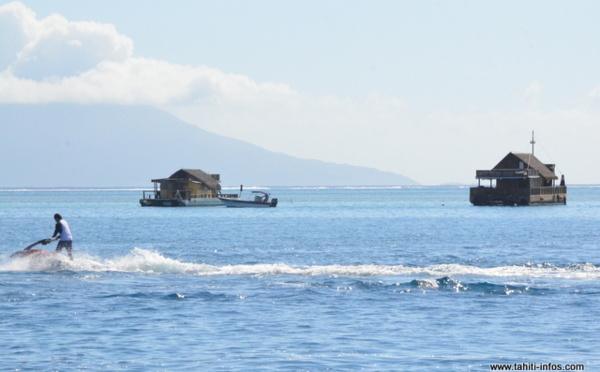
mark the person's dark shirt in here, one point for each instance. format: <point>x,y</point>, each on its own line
<point>57,229</point>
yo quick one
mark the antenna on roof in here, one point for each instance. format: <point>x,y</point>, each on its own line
<point>532,143</point>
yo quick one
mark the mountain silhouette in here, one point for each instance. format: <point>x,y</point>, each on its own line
<point>70,145</point>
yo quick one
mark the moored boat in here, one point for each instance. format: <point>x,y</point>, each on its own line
<point>260,200</point>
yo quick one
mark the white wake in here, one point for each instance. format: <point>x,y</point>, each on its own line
<point>152,262</point>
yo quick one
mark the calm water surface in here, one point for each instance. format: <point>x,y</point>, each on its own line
<point>333,279</point>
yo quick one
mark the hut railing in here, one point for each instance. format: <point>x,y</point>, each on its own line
<point>184,195</point>
<point>506,173</point>
<point>150,194</point>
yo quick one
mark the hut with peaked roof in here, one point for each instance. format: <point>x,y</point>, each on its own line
<point>519,179</point>
<point>186,187</point>
<point>189,183</point>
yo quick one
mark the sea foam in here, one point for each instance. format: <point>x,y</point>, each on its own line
<point>151,262</point>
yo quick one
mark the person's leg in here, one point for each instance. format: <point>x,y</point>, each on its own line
<point>69,247</point>
<point>60,246</point>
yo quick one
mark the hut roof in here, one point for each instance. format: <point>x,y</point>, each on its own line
<point>531,162</point>
<point>194,175</point>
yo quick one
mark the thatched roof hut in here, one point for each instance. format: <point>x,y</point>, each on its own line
<point>186,187</point>
<point>207,181</point>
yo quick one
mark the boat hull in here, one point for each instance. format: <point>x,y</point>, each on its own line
<point>31,253</point>
<point>489,196</point>
<point>239,203</point>
<point>199,202</point>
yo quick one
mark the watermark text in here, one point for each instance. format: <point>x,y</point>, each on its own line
<point>537,367</point>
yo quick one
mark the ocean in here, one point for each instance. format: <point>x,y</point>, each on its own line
<point>333,279</point>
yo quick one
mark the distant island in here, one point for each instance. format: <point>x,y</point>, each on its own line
<point>71,145</point>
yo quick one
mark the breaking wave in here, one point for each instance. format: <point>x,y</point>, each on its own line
<point>152,262</point>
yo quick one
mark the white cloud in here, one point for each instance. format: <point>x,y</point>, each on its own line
<point>140,81</point>
<point>17,28</point>
<point>54,46</point>
<point>56,60</point>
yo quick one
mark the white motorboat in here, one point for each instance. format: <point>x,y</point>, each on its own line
<point>260,200</point>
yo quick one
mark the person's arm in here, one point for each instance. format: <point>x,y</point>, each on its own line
<point>57,229</point>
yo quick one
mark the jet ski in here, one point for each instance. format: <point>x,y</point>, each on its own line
<point>29,252</point>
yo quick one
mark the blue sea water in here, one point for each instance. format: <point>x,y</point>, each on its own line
<point>333,279</point>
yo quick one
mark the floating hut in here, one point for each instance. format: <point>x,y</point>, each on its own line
<point>519,179</point>
<point>185,188</point>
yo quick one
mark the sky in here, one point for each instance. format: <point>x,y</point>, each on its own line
<point>432,90</point>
